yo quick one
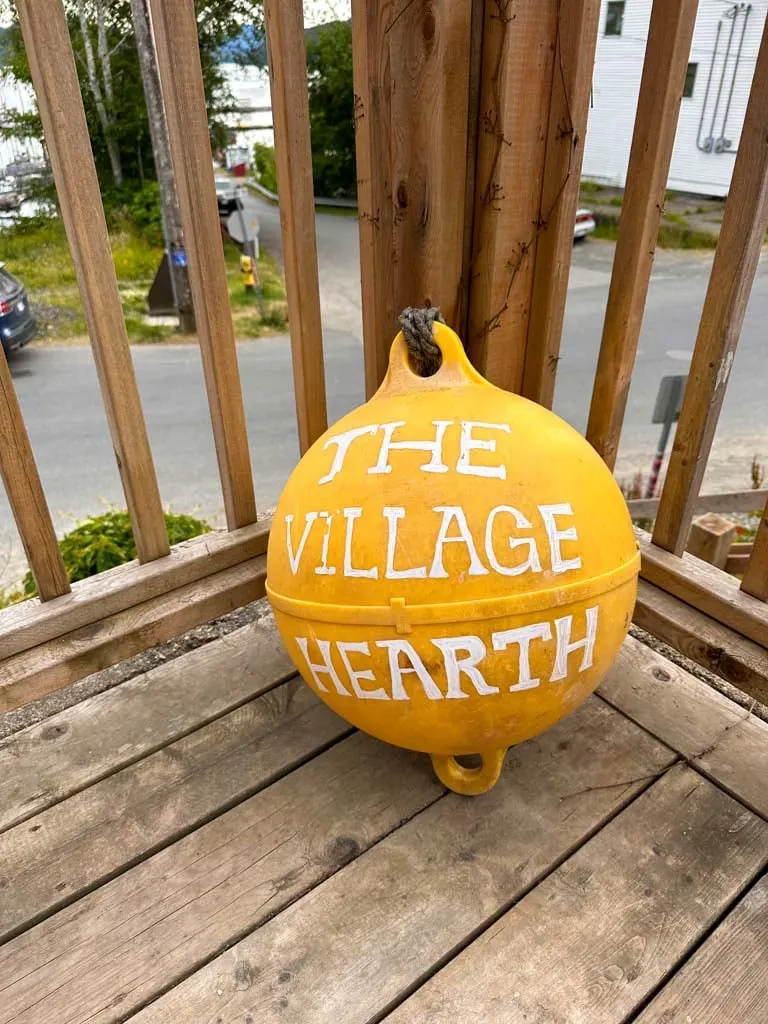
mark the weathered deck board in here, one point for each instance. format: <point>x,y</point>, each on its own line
<point>75,748</point>
<point>84,840</point>
<point>596,937</point>
<point>726,981</point>
<point>357,942</point>
<point>125,943</point>
<point>198,853</point>
<point>718,737</point>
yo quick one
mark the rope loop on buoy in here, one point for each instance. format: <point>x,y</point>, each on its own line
<point>423,351</point>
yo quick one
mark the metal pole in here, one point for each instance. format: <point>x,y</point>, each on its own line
<point>658,459</point>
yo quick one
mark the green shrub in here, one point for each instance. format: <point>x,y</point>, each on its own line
<point>144,211</point>
<point>616,200</point>
<point>104,541</point>
<point>264,165</point>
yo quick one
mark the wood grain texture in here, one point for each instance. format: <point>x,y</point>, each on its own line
<point>519,44</point>
<point>412,74</point>
<point>732,501</point>
<point>34,673</point>
<point>726,981</point>
<point>67,752</point>
<point>742,233</point>
<point>576,38</point>
<point>718,737</point>
<point>73,846</point>
<point>711,537</point>
<point>293,152</point>
<point>710,590</point>
<point>178,61</point>
<point>52,64</point>
<point>29,623</point>
<point>755,580</point>
<point>359,941</point>
<point>661,88</point>
<point>25,494</point>
<point>596,937</point>
<point>119,947</point>
<point>704,640</point>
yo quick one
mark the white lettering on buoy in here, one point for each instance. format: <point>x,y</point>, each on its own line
<point>531,563</point>
<point>564,645</point>
<point>548,513</point>
<point>392,514</point>
<point>351,514</point>
<point>522,636</point>
<point>324,569</point>
<point>450,512</point>
<point>435,464</point>
<point>394,649</point>
<point>325,668</point>
<point>295,559</point>
<point>475,653</point>
<point>454,665</point>
<point>342,442</point>
<point>469,444</point>
<point>355,675</point>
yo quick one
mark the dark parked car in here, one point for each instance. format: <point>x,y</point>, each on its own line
<point>17,324</point>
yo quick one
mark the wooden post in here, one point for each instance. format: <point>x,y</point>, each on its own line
<point>519,44</point>
<point>290,111</point>
<point>181,78</point>
<point>755,581</point>
<point>575,40</point>
<point>741,238</point>
<point>661,89</point>
<point>25,494</point>
<point>52,63</point>
<point>412,72</point>
<point>711,537</point>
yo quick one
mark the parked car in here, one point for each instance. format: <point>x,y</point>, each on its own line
<point>227,192</point>
<point>17,324</point>
<point>585,224</point>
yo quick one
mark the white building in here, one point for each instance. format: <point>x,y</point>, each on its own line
<point>722,62</point>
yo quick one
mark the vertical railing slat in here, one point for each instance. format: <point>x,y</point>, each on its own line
<point>755,580</point>
<point>181,78</point>
<point>518,63</point>
<point>290,114</point>
<point>741,237</point>
<point>661,90</point>
<point>571,84</point>
<point>412,74</point>
<point>52,63</point>
<point>25,494</point>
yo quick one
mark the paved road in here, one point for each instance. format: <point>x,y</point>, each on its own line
<point>58,392</point>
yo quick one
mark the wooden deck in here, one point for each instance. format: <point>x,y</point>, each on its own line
<point>207,844</point>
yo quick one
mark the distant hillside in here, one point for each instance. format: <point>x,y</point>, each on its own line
<point>250,46</point>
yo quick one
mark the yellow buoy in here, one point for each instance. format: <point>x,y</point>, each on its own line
<point>452,567</point>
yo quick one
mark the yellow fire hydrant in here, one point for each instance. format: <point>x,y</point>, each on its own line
<point>248,272</point>
<point>452,567</point>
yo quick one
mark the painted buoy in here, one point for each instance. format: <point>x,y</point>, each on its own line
<point>452,567</point>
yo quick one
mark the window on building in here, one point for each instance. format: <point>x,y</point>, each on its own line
<point>690,78</point>
<point>614,19</point>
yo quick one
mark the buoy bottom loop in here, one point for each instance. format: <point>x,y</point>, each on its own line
<point>470,781</point>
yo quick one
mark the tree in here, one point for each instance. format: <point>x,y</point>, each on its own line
<point>106,55</point>
<point>331,109</point>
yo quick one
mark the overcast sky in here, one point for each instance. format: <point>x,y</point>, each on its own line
<point>318,11</point>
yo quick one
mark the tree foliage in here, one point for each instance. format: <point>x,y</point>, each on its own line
<point>110,81</point>
<point>331,109</point>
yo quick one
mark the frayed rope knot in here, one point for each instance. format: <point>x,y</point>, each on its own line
<point>424,352</point>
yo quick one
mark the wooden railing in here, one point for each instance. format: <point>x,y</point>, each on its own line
<point>470,121</point>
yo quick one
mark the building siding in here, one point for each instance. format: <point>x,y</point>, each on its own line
<point>616,84</point>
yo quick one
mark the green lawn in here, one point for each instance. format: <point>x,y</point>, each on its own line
<point>37,253</point>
